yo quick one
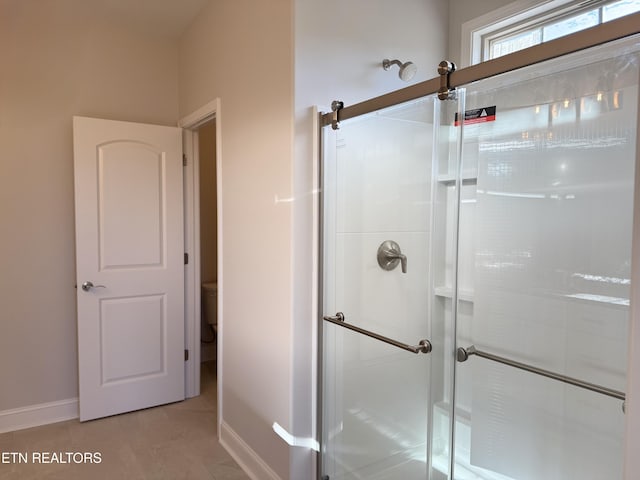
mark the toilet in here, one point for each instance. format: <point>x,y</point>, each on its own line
<point>210,303</point>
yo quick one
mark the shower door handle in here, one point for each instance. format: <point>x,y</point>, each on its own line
<point>424,346</point>
<point>338,317</point>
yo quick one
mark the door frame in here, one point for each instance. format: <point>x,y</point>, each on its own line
<point>190,125</point>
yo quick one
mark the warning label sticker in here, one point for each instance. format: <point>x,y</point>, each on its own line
<point>478,115</point>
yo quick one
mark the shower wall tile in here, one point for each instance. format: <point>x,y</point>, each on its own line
<point>383,176</point>
<point>391,303</point>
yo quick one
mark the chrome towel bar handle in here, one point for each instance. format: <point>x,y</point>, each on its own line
<point>463,354</point>
<point>424,346</point>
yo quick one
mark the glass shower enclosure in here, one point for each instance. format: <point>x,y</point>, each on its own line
<point>476,258</point>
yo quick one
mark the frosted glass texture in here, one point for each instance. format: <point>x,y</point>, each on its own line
<point>551,269</point>
<point>378,187</point>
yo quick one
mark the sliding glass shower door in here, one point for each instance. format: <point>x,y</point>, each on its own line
<point>543,348</point>
<point>476,278</point>
<point>380,207</point>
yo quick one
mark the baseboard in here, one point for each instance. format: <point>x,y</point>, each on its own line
<point>37,415</point>
<point>244,456</point>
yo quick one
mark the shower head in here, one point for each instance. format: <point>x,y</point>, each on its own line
<point>407,70</point>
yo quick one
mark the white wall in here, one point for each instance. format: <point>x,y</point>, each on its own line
<point>241,52</point>
<point>58,59</point>
<point>340,47</point>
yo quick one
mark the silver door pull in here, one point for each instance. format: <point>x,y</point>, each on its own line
<point>86,286</point>
<point>389,255</point>
<point>463,354</point>
<point>424,346</point>
<point>338,317</point>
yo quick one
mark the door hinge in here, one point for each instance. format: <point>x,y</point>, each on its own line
<point>184,159</point>
<point>186,355</point>
<point>186,259</point>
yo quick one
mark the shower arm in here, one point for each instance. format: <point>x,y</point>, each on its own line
<point>386,63</point>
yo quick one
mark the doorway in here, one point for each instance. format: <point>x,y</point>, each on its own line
<point>208,234</point>
<point>203,265</point>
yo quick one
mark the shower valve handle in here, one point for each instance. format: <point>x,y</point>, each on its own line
<point>401,257</point>
<point>389,255</point>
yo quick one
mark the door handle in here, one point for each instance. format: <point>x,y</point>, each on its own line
<point>86,286</point>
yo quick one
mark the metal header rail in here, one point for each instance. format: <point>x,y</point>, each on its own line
<point>591,37</point>
<point>424,346</point>
<point>464,353</point>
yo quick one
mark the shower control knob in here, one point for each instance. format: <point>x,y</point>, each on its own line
<point>389,255</point>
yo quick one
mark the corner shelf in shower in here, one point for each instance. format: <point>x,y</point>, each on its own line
<point>449,180</point>
<point>464,295</point>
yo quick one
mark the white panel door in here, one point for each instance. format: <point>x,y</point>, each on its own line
<point>129,246</point>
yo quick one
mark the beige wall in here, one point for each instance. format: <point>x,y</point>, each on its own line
<point>241,52</point>
<point>57,60</point>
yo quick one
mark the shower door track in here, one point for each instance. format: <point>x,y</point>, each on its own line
<point>591,37</point>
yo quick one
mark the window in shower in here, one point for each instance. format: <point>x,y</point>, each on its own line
<point>527,23</point>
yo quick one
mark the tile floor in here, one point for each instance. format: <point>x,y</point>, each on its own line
<point>173,442</point>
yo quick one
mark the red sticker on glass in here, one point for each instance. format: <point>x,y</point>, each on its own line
<point>478,115</point>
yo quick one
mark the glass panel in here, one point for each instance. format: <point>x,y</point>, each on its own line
<point>378,186</point>
<point>546,266</point>
<point>444,255</point>
<point>620,9</point>
<point>513,43</point>
<point>571,25</point>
